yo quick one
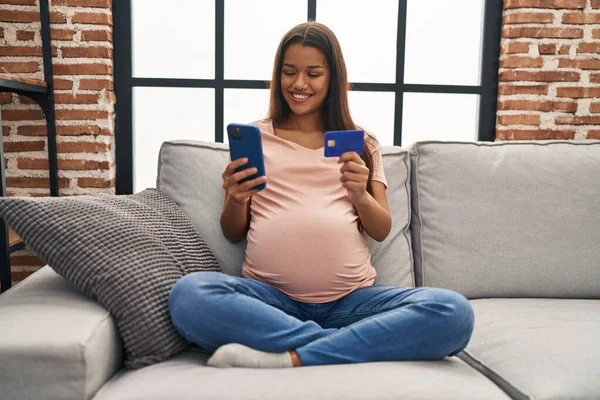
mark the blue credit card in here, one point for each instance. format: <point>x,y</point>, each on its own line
<point>340,142</point>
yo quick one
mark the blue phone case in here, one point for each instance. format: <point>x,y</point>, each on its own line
<point>244,141</point>
<point>339,142</point>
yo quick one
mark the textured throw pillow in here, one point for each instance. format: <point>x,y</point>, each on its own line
<point>125,251</point>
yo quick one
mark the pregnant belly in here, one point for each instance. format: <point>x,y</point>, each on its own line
<point>308,256</point>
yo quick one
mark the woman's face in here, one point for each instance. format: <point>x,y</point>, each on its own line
<point>304,79</point>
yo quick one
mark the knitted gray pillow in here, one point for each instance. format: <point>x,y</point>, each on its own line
<point>125,251</point>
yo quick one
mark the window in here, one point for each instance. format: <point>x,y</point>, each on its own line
<point>186,68</point>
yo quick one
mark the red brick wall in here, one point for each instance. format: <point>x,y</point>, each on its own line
<point>550,70</point>
<point>81,32</point>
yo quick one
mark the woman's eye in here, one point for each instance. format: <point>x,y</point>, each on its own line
<point>288,73</point>
<point>314,75</point>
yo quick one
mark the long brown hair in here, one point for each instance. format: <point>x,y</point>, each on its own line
<point>335,111</point>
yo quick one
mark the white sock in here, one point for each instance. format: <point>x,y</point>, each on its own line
<point>240,356</point>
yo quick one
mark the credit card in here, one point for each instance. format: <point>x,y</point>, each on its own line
<point>339,142</point>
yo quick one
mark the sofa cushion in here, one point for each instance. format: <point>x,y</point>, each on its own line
<point>126,252</point>
<point>186,376</point>
<point>55,342</point>
<point>190,173</point>
<point>507,219</point>
<point>540,348</point>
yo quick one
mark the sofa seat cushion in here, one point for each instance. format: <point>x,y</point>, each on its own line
<point>55,342</point>
<point>190,173</point>
<point>540,348</point>
<point>186,376</point>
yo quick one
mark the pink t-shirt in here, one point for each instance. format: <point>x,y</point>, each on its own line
<point>303,236</point>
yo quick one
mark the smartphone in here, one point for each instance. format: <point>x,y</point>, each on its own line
<point>244,142</point>
<point>339,142</point>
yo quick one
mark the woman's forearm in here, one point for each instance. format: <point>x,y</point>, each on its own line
<point>375,219</point>
<point>235,220</point>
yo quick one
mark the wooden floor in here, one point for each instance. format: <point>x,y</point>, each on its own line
<point>13,238</point>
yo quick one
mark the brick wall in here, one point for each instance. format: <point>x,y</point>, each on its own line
<point>550,70</point>
<point>81,32</point>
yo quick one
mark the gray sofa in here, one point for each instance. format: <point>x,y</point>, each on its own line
<point>513,226</point>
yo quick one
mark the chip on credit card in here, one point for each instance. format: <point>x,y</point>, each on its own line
<point>340,142</point>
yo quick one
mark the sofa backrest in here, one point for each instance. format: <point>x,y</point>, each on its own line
<point>190,173</point>
<point>507,219</point>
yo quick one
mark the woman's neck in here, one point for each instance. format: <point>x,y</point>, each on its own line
<point>305,123</point>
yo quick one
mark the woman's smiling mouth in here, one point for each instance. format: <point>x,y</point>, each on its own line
<point>300,98</point>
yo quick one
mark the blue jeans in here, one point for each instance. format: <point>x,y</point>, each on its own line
<point>374,323</point>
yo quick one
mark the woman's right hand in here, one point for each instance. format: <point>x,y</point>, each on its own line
<point>236,192</point>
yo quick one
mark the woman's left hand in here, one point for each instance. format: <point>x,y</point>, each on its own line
<point>355,175</point>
